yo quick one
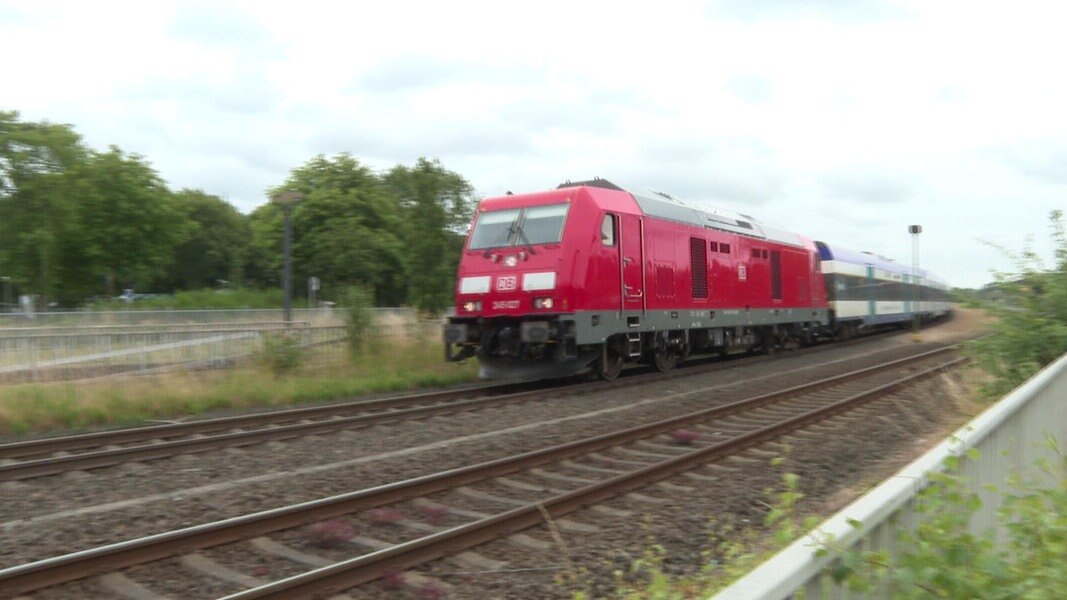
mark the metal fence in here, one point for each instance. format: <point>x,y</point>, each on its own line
<point>69,345</point>
<point>93,318</point>
<point>1011,437</point>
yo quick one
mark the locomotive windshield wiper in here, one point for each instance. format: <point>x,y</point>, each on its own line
<point>521,234</point>
<point>514,235</point>
<point>504,238</point>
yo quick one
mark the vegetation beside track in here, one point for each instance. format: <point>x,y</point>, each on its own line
<point>388,365</point>
<point>1031,311</point>
<point>733,552</point>
<point>946,560</point>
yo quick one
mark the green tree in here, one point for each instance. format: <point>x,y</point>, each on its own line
<point>436,204</point>
<point>77,222</point>
<point>347,231</point>
<point>215,245</point>
<point>38,202</point>
<point>263,259</point>
<point>130,225</point>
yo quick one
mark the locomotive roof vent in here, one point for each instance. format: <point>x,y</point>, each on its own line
<point>594,182</point>
<point>666,195</point>
<point>728,216</point>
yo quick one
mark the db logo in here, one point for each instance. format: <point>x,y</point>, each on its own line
<point>507,283</point>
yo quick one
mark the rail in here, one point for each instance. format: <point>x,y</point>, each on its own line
<point>33,576</point>
<point>1009,438</point>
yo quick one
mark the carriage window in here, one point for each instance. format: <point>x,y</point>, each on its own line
<point>607,230</point>
<point>724,248</point>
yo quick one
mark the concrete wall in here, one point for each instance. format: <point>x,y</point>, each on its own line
<point>1010,436</point>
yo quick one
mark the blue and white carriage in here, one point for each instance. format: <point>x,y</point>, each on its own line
<point>865,290</point>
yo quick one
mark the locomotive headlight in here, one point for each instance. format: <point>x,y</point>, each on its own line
<point>543,303</point>
<point>472,305</point>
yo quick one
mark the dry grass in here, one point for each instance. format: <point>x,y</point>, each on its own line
<point>390,365</point>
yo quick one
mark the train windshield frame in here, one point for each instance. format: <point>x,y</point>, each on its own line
<point>526,226</point>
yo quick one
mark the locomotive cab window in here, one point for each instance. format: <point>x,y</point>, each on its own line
<point>494,228</point>
<point>607,230</point>
<point>519,226</point>
<point>542,224</point>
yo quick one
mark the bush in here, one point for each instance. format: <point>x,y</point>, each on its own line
<point>944,559</point>
<point>1032,316</point>
<point>359,319</point>
<point>281,352</point>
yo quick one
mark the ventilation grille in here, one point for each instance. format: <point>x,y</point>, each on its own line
<point>698,262</point>
<point>776,274</point>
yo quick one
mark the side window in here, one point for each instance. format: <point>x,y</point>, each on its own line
<point>607,230</point>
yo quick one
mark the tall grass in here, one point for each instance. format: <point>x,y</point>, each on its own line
<point>392,365</point>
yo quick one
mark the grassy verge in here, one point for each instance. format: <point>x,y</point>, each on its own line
<point>388,366</point>
<point>731,552</point>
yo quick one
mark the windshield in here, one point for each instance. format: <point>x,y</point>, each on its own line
<point>519,227</point>
<point>494,228</point>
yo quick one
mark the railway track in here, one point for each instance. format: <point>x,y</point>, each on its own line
<point>29,459</point>
<point>642,455</point>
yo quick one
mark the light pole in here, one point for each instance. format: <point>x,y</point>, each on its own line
<point>286,200</point>
<point>915,230</point>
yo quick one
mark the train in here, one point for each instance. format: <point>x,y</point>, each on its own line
<point>590,277</point>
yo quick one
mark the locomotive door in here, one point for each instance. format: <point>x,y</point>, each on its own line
<point>632,263</point>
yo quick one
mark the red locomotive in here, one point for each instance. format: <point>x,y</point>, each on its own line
<point>589,276</point>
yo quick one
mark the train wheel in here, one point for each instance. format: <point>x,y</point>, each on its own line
<point>769,342</point>
<point>664,359</point>
<point>610,364</point>
<point>793,342</point>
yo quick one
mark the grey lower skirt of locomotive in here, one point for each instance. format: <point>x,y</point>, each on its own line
<point>554,347</point>
<point>544,348</point>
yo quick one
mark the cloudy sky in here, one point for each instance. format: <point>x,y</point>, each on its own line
<point>844,120</point>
